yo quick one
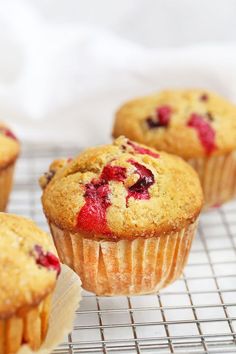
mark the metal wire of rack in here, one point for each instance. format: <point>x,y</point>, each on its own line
<point>196,314</point>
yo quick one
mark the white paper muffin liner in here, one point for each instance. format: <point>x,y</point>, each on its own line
<point>30,327</point>
<point>139,266</point>
<point>6,179</point>
<point>218,178</point>
<point>44,326</point>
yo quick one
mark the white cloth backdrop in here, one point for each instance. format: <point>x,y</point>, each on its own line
<point>65,66</point>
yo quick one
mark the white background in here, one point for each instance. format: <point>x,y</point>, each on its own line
<point>66,65</point>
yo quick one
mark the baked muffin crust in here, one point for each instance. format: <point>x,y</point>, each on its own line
<point>9,146</point>
<point>28,269</point>
<point>122,191</point>
<point>188,123</point>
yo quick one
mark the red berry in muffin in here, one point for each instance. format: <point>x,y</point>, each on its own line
<point>205,131</point>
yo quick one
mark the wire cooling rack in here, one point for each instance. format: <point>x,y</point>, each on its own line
<point>196,314</point>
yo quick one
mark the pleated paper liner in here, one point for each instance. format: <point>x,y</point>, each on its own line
<point>6,179</point>
<point>125,267</point>
<point>30,327</point>
<point>51,320</point>
<point>218,178</point>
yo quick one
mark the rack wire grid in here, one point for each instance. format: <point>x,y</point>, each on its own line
<point>196,314</point>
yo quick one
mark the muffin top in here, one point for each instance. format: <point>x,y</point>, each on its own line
<point>28,269</point>
<point>188,123</point>
<point>121,191</point>
<point>9,146</point>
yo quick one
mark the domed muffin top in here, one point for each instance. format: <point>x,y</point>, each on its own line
<point>121,191</point>
<point>9,146</point>
<point>28,266</point>
<point>188,123</point>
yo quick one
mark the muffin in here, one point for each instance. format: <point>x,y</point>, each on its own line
<point>28,275</point>
<point>122,216</point>
<point>196,125</point>
<point>9,151</point>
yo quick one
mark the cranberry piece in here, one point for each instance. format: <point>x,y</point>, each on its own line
<point>204,97</point>
<point>113,173</point>
<point>7,132</point>
<point>146,179</point>
<point>152,123</point>
<point>162,118</point>
<point>49,175</point>
<point>47,259</point>
<point>142,150</point>
<point>92,216</point>
<point>205,131</point>
<point>163,115</point>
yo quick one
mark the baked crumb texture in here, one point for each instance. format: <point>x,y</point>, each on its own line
<point>197,125</point>
<point>123,216</point>
<point>28,273</point>
<point>123,191</point>
<point>188,123</point>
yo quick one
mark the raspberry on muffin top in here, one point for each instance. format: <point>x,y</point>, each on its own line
<point>115,191</point>
<point>188,123</point>
<point>9,146</point>
<point>28,266</point>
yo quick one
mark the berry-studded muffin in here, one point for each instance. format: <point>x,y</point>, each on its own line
<point>28,275</point>
<point>9,151</point>
<point>123,216</point>
<point>197,125</point>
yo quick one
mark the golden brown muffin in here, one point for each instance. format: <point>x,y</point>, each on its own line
<point>122,216</point>
<point>197,125</point>
<point>28,274</point>
<point>9,151</point>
